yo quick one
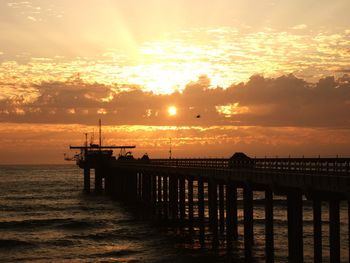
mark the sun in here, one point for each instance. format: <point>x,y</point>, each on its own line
<point>172,110</point>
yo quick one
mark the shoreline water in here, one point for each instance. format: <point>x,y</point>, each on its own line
<point>46,217</point>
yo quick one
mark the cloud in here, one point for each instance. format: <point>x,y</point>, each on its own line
<point>299,27</point>
<point>344,70</point>
<point>225,54</point>
<point>32,18</point>
<point>33,12</point>
<point>283,101</point>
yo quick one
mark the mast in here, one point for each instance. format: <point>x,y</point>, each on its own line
<point>86,140</point>
<point>99,132</point>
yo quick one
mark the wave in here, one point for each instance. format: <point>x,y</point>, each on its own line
<point>65,223</point>
<point>118,253</point>
<point>112,235</point>
<point>14,243</point>
<point>61,243</point>
<point>31,223</point>
<point>78,224</point>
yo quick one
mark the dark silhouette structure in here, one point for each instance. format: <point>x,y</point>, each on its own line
<point>166,188</point>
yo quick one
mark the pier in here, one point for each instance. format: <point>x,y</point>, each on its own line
<point>200,195</point>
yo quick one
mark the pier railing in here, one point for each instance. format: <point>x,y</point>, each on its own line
<point>339,166</point>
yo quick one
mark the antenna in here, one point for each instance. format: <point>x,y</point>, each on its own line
<point>92,138</point>
<point>86,139</point>
<point>99,132</point>
<point>170,149</point>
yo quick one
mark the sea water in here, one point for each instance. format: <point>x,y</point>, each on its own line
<point>45,217</point>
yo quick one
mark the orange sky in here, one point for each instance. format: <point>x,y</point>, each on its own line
<point>267,77</point>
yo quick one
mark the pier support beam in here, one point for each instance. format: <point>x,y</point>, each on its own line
<point>131,186</point>
<point>165,197</point>
<point>248,221</point>
<point>98,180</point>
<point>269,238</point>
<point>119,183</point>
<point>182,186</point>
<point>139,186</point>
<point>317,223</point>
<point>174,196</point>
<point>213,211</point>
<point>159,197</point>
<point>123,185</point>
<point>115,184</point>
<point>87,180</point>
<point>349,229</point>
<point>201,212</point>
<point>154,194</point>
<point>295,226</point>
<point>108,182</point>
<point>222,208</point>
<point>146,188</point>
<point>190,205</point>
<point>231,215</point>
<point>334,231</point>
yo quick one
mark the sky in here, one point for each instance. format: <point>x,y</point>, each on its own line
<point>269,78</point>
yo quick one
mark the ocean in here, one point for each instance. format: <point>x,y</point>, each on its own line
<point>45,217</point>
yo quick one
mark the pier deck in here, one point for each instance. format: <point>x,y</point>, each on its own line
<point>166,187</point>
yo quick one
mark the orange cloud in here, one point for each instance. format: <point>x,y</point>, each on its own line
<point>282,101</point>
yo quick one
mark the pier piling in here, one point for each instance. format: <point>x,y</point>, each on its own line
<point>98,180</point>
<point>201,209</point>
<point>248,221</point>
<point>87,180</point>
<point>269,238</point>
<point>295,226</point>
<point>334,231</point>
<point>221,208</point>
<point>317,225</point>
<point>190,205</point>
<point>165,198</point>
<point>213,211</point>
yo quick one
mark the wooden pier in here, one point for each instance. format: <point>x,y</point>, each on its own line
<point>200,195</point>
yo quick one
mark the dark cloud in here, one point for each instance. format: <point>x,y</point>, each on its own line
<point>282,101</point>
<point>345,70</point>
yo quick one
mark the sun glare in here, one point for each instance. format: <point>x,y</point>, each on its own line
<point>172,111</point>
